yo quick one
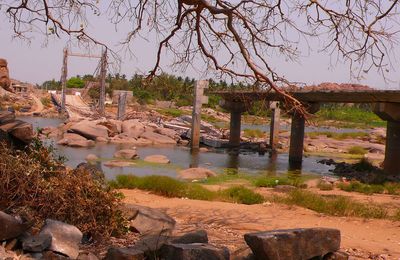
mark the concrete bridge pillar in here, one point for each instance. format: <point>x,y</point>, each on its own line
<point>236,109</point>
<point>274,126</point>
<point>297,136</point>
<point>391,113</point>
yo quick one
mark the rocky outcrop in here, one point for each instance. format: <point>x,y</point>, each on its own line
<point>14,130</point>
<point>157,138</point>
<point>75,140</point>
<point>90,129</point>
<point>5,81</point>
<point>194,251</point>
<point>303,243</point>
<point>196,174</point>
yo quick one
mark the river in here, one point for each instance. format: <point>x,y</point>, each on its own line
<point>181,157</point>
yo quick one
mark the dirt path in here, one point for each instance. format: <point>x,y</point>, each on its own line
<point>226,223</point>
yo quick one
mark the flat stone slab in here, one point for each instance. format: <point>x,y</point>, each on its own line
<point>293,244</point>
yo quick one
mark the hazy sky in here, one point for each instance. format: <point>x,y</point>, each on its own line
<point>36,62</point>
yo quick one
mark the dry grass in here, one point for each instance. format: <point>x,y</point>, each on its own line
<point>37,186</point>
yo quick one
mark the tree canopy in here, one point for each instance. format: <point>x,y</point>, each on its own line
<point>237,38</point>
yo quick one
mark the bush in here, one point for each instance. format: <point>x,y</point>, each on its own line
<point>361,187</point>
<point>36,185</point>
<point>272,181</point>
<point>333,205</point>
<point>45,101</point>
<point>357,150</point>
<point>253,133</point>
<point>243,195</point>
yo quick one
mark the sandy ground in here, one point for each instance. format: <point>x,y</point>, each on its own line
<point>226,223</point>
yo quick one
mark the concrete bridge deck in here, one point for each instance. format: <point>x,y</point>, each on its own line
<point>386,106</point>
<point>372,96</point>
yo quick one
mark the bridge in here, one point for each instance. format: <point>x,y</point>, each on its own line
<point>386,106</point>
<point>75,106</point>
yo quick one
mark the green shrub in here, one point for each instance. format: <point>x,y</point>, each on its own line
<point>350,114</point>
<point>174,112</point>
<point>332,205</point>
<point>45,101</point>
<point>243,195</point>
<point>361,187</point>
<point>272,181</point>
<point>338,136</point>
<point>357,150</point>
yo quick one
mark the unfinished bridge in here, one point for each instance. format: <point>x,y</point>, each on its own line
<point>386,106</point>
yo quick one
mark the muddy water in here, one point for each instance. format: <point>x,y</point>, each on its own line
<point>180,157</point>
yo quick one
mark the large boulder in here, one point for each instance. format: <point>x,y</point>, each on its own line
<point>126,154</point>
<point>36,243</point>
<point>167,132</point>
<point>198,236</point>
<point>75,140</point>
<point>124,254</point>
<point>5,81</point>
<point>19,130</point>
<point>147,220</point>
<point>65,238</point>
<point>194,251</point>
<point>157,159</point>
<point>6,116</point>
<point>89,129</point>
<point>157,138</point>
<point>132,128</point>
<point>196,174</point>
<point>302,243</point>
<point>10,226</point>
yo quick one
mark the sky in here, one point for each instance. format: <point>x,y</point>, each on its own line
<point>37,61</point>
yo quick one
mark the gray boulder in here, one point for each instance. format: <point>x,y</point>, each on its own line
<point>302,243</point>
<point>10,226</point>
<point>65,238</point>
<point>36,243</point>
<point>119,164</point>
<point>126,154</point>
<point>75,140</point>
<point>147,220</point>
<point>124,254</point>
<point>132,128</point>
<point>198,236</point>
<point>196,251</point>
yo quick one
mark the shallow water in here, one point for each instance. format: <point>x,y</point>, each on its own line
<point>180,158</point>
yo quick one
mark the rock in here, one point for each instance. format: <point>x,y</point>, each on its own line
<point>167,132</point>
<point>6,116</point>
<point>119,163</point>
<point>10,226</point>
<point>338,255</point>
<point>89,129</point>
<point>5,81</point>
<point>196,251</point>
<point>36,243</point>
<point>18,129</point>
<point>75,140</point>
<point>196,174</point>
<point>91,157</point>
<point>126,154</point>
<point>284,188</point>
<point>198,236</point>
<point>132,128</point>
<point>124,254</point>
<point>112,128</point>
<point>150,244</point>
<point>157,138</point>
<point>87,256</point>
<point>302,243</point>
<point>50,255</point>
<point>101,139</point>
<point>147,220</point>
<point>157,159</point>
<point>65,238</point>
